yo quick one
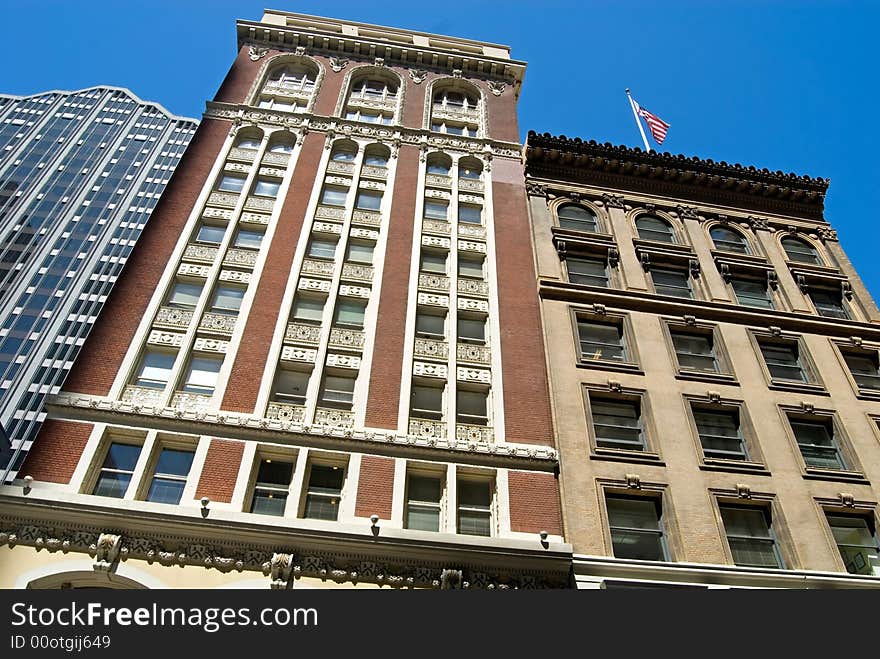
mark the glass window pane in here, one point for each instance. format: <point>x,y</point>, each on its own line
<point>166,490</point>
<point>797,250</point>
<point>343,154</point>
<point>422,518</point>
<point>308,309</point>
<point>227,299</point>
<point>430,325</point>
<point>672,282</point>
<point>433,262</point>
<point>633,513</point>
<point>229,183</point>
<point>122,456</point>
<point>752,293</point>
<point>201,377</point>
<point>155,369</point>
<point>350,312</point>
<point>174,462</point>
<point>427,402</point>
<point>265,188</point>
<point>471,407</point>
<point>269,502</point>
<point>653,228</point>
<point>864,369</point>
<point>185,295</point>
<point>322,249</point>
<point>577,218</point>
<point>374,159</point>
<point>338,391</point>
<point>470,214</point>
<point>435,210</point>
<point>360,253</point>
<point>248,239</point>
<point>210,234</point>
<point>369,200</point>
<point>472,330</point>
<point>695,351</point>
<point>333,196</point>
<point>291,386</point>
<point>729,240</point>
<point>437,166</point>
<point>275,473</point>
<point>468,267</point>
<point>783,362</point>
<point>600,341</point>
<point>112,484</point>
<point>592,272</point>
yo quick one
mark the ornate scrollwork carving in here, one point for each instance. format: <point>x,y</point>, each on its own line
<point>338,63</point>
<point>257,52</point>
<point>418,76</point>
<point>496,87</point>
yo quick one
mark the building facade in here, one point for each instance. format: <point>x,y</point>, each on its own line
<point>322,364</point>
<point>713,361</point>
<point>80,173</point>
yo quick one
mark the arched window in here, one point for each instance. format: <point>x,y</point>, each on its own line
<point>455,112</point>
<point>439,163</point>
<point>372,99</point>
<point>470,168</point>
<point>377,155</point>
<point>800,250</point>
<point>289,88</point>
<point>728,240</point>
<point>651,227</point>
<point>343,152</point>
<point>247,142</point>
<point>281,145</point>
<point>572,216</point>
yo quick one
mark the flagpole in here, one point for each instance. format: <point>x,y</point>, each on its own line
<point>632,104</point>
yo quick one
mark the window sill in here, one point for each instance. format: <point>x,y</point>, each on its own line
<point>706,376</point>
<point>623,455</point>
<point>605,365</point>
<point>814,473</point>
<point>735,466</point>
<point>798,387</point>
<point>868,394</point>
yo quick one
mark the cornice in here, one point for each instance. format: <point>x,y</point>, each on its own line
<point>395,135</point>
<point>287,37</point>
<point>232,425</point>
<point>114,534</point>
<point>564,159</point>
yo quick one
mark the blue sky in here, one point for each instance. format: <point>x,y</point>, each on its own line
<point>783,85</point>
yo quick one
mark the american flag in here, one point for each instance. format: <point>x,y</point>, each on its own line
<point>658,127</point>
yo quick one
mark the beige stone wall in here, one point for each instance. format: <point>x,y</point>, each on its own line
<point>688,485</point>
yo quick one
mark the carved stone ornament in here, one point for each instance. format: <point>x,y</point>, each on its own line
<point>633,481</point>
<point>724,269</point>
<point>802,283</point>
<point>379,61</point>
<point>279,569</point>
<point>106,552</point>
<point>450,579</point>
<point>687,212</point>
<point>757,223</point>
<point>300,51</point>
<point>827,233</point>
<point>561,249</point>
<point>846,290</point>
<point>743,491</point>
<point>694,268</point>
<point>418,75</point>
<point>613,200</point>
<point>847,499</point>
<point>338,63</point>
<point>714,397</point>
<point>772,279</point>
<point>690,320</point>
<point>536,189</point>
<point>456,73</point>
<point>615,386</point>
<point>497,88</point>
<point>807,407</point>
<point>257,52</point>
<point>645,258</point>
<point>613,257</point>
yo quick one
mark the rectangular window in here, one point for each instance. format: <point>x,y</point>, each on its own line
<point>783,360</point>
<point>350,313</point>
<point>436,210</point>
<point>210,234</point>
<point>593,272</point>
<point>617,424</point>
<point>472,330</point>
<point>857,542</point>
<point>264,188</point>
<point>308,309</point>
<point>248,239</point>
<point>338,391</point>
<point>752,293</point>
<point>320,248</point>
<point>201,375</point>
<point>720,434</point>
<point>750,536</point>
<point>469,266</point>
<point>184,295</point>
<point>423,495</point>
<point>470,214</point>
<point>368,200</point>
<point>231,183</point>
<point>636,528</point>
<point>828,303</point>
<point>331,196</point>
<point>864,368</point>
<point>695,351</point>
<point>116,472</point>
<point>290,386</point>
<point>360,253</point>
<point>272,487</point>
<point>227,299</point>
<point>672,282</point>
<point>474,507</point>
<point>169,478</point>
<point>323,492</point>
<point>601,341</point>
<point>434,262</point>
<point>155,369</point>
<point>430,326</point>
<point>471,407</point>
<point>426,402</point>
<point>817,443</point>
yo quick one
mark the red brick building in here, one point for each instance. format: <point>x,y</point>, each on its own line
<point>324,358</point>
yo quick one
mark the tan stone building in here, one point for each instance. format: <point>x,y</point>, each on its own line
<point>319,365</point>
<point>713,362</point>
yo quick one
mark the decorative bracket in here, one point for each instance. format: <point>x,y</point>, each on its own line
<point>694,268</point>
<point>106,552</point>
<point>338,63</point>
<point>418,75</point>
<point>633,481</point>
<point>613,257</point>
<point>743,491</point>
<point>772,279</point>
